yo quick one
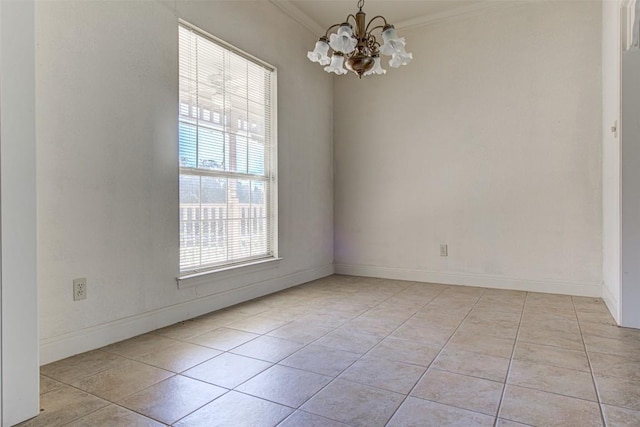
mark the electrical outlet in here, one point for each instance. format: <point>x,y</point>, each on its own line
<point>79,289</point>
<point>443,250</point>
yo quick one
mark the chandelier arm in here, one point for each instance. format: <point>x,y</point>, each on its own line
<point>376,27</point>
<point>372,44</point>
<point>353,18</point>
<point>373,19</point>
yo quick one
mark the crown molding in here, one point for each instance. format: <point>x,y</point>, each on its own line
<point>453,13</point>
<point>299,16</point>
<point>309,23</point>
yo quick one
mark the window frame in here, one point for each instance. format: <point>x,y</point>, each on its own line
<point>194,277</point>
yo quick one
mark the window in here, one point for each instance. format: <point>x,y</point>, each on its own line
<point>227,170</point>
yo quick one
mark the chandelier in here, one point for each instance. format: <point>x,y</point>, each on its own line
<point>360,51</point>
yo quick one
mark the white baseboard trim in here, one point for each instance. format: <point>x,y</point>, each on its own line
<point>612,303</point>
<point>62,346</point>
<point>478,280</point>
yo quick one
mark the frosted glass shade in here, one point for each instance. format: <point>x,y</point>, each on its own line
<point>337,65</point>
<point>377,67</point>
<point>319,54</point>
<point>400,58</point>
<point>391,42</point>
<point>343,40</point>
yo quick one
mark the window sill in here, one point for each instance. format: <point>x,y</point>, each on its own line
<point>206,277</point>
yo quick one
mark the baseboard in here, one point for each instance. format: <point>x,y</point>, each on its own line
<point>478,280</point>
<point>612,303</point>
<point>60,347</point>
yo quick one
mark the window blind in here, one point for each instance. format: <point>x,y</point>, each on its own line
<point>226,155</point>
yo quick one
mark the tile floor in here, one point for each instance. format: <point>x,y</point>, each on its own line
<point>362,352</point>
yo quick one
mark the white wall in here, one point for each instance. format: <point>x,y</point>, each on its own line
<point>108,168</point>
<point>611,156</point>
<point>18,282</point>
<point>490,142</point>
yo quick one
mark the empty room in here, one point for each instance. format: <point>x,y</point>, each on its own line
<point>320,213</point>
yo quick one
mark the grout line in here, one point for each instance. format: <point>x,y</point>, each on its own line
<point>437,355</point>
<point>513,351</point>
<point>593,379</point>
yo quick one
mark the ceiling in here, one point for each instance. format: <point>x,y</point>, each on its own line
<point>318,15</point>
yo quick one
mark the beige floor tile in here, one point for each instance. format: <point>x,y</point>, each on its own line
<point>306,419</point>
<point>321,360</point>
<point>251,308</point>
<point>284,385</point>
<point>139,346</point>
<point>419,331</point>
<point>384,373</point>
<point>185,330</point>
<point>354,404</point>
<point>370,326</point>
<point>123,380</point>
<point>63,405</point>
<point>547,409</point>
<point>488,327</point>
<point>237,410</point>
<point>473,364</point>
<point>548,313</point>
<point>568,382</point>
<point>549,300</point>
<point>554,356</point>
<point>286,312</point>
<point>489,313</point>
<point>483,344</point>
<point>569,327</point>
<point>501,305</point>
<point>172,399</point>
<point>349,341</point>
<point>623,392</point>
<point>615,366</point>
<point>257,324</point>
<point>572,341</point>
<point>459,312</point>
<point>179,357</point>
<point>114,416</point>
<point>498,299</point>
<point>620,417</point>
<point>227,370</point>
<point>302,332</point>
<point>220,318</point>
<point>453,302</point>
<point>270,349</point>
<point>436,319</point>
<point>388,313</point>
<point>609,331</point>
<point>325,318</point>
<point>461,391</point>
<point>416,412</point>
<point>81,365</point>
<point>624,348</point>
<point>223,338</point>
<point>506,423</point>
<point>47,384</point>
<point>581,303</point>
<point>405,351</point>
<point>596,317</point>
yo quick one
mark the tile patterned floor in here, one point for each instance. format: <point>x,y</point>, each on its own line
<point>362,352</point>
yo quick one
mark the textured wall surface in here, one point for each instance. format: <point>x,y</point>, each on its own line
<point>489,142</point>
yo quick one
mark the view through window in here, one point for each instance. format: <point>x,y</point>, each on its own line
<point>226,154</point>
